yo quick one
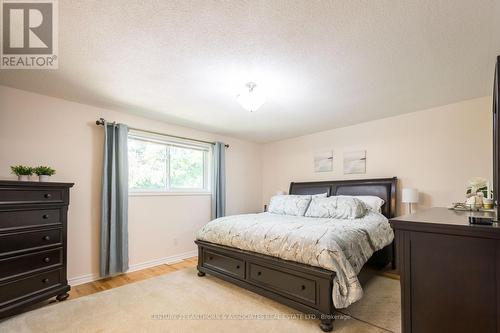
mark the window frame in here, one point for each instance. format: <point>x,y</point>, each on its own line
<point>170,142</point>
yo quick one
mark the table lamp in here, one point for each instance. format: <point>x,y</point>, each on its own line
<point>410,195</point>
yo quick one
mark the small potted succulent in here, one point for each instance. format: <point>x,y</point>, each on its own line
<point>44,172</point>
<point>22,172</point>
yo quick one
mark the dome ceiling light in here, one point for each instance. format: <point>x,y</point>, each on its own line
<point>251,97</point>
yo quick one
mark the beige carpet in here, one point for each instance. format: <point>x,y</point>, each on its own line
<point>381,303</point>
<point>183,302</point>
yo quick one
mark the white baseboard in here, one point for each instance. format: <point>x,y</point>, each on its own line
<point>83,279</point>
<point>167,260</point>
<point>136,267</point>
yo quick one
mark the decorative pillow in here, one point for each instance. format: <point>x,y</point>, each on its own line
<point>372,202</point>
<point>289,204</point>
<point>338,207</point>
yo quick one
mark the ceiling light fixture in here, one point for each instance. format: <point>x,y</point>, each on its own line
<point>251,98</point>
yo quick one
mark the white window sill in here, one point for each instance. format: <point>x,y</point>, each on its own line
<point>164,193</point>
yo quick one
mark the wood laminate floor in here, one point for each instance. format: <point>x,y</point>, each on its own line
<point>123,279</point>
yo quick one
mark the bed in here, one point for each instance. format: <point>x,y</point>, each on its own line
<point>308,283</point>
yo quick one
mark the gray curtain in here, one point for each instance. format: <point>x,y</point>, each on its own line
<point>219,181</point>
<point>114,208</point>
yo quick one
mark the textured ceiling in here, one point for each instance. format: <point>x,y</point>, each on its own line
<point>323,64</point>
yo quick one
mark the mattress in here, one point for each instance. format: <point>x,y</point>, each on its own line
<point>342,246</point>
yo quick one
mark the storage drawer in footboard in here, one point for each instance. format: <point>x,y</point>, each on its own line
<point>224,264</point>
<point>285,283</point>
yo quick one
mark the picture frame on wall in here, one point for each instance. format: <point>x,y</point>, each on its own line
<point>355,162</point>
<point>323,161</point>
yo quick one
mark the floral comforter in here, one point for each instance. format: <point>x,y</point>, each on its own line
<point>339,245</point>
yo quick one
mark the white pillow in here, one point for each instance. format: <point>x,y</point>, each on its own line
<point>338,207</point>
<point>295,205</point>
<point>372,202</point>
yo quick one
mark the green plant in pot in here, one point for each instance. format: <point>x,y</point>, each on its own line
<point>22,172</point>
<point>44,172</point>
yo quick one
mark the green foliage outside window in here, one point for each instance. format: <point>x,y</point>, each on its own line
<point>159,167</point>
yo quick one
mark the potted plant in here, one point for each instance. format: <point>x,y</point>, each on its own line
<point>22,172</point>
<point>44,172</point>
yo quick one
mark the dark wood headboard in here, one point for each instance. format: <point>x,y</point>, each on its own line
<point>384,188</point>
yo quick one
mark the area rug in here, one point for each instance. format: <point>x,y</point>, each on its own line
<point>381,302</point>
<point>183,302</point>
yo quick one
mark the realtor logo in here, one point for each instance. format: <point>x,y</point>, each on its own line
<point>29,34</point>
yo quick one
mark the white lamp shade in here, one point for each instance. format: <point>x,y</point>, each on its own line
<point>410,195</point>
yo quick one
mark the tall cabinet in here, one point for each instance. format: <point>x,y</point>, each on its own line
<point>33,242</point>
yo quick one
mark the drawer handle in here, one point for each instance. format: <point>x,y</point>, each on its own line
<point>303,287</point>
<point>259,273</point>
<point>45,280</point>
<point>47,238</point>
<point>210,258</point>
<point>48,195</point>
<point>237,266</point>
<point>47,259</point>
<point>45,216</point>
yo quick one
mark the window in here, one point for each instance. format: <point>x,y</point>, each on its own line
<point>158,164</point>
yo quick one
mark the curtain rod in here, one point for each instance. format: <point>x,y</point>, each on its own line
<point>101,121</point>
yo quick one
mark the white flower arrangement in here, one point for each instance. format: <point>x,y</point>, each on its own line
<point>479,186</point>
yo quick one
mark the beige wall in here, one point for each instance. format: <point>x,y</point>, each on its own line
<point>36,129</point>
<point>435,150</point>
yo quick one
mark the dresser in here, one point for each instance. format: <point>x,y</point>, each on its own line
<point>450,272</point>
<point>33,226</point>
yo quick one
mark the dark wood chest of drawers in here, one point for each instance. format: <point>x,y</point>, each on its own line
<point>450,272</point>
<point>33,227</point>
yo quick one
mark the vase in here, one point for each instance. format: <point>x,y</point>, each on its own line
<point>43,178</point>
<point>23,178</point>
<point>474,202</point>
<point>487,203</point>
